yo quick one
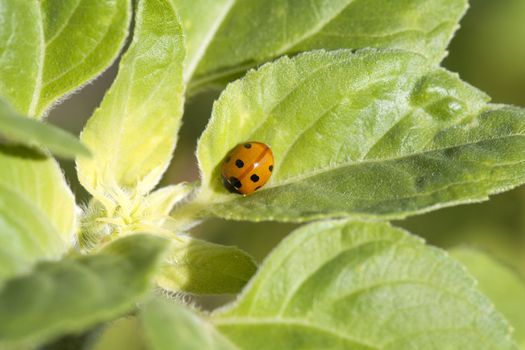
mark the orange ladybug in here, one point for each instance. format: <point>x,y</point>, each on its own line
<point>247,167</point>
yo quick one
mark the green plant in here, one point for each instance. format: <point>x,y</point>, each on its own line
<point>365,127</point>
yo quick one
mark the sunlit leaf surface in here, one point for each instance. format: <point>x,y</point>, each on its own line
<point>380,134</point>
<point>49,48</point>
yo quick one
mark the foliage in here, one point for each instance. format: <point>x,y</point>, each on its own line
<point>45,303</point>
<point>504,286</point>
<point>17,129</point>
<point>365,126</point>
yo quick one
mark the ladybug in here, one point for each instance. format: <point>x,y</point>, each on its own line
<point>247,167</point>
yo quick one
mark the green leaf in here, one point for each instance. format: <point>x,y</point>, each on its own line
<point>15,127</point>
<point>150,213</point>
<point>159,203</point>
<point>373,134</point>
<point>133,133</point>
<point>200,267</point>
<point>77,293</point>
<point>226,37</point>
<point>504,287</point>
<point>49,48</point>
<point>124,333</point>
<point>170,326</point>
<point>26,236</point>
<point>358,285</point>
<point>39,181</point>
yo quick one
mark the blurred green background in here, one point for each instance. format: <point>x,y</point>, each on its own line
<point>488,52</point>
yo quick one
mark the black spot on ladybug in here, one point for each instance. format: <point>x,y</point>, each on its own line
<point>235,182</point>
<point>239,163</point>
<point>227,159</point>
<point>248,145</point>
<point>254,178</point>
<point>229,186</point>
<point>256,188</point>
<point>271,168</point>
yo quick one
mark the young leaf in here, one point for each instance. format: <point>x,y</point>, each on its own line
<point>133,133</point>
<point>38,180</point>
<point>150,213</point>
<point>200,267</point>
<point>170,326</point>
<point>17,128</point>
<point>226,37</point>
<point>378,134</point>
<point>49,48</point>
<point>504,287</point>
<point>26,236</point>
<point>76,293</point>
<point>358,285</point>
<point>159,203</point>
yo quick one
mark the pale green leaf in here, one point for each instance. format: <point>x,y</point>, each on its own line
<point>504,287</point>
<point>170,326</point>
<point>124,333</point>
<point>159,203</point>
<point>225,37</point>
<point>148,213</point>
<point>159,325</point>
<point>199,267</point>
<point>200,20</point>
<point>379,134</point>
<point>76,293</point>
<point>133,133</point>
<point>49,48</point>
<point>358,285</point>
<point>38,180</point>
<point>26,236</point>
<point>16,128</point>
